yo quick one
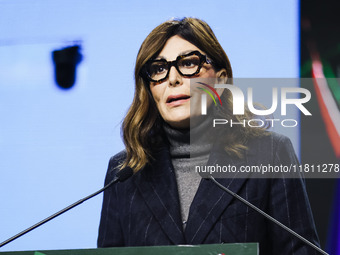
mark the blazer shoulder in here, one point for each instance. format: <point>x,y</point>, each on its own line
<point>114,164</point>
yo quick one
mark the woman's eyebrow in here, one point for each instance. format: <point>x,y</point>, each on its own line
<point>160,58</point>
<point>179,54</point>
<point>186,52</point>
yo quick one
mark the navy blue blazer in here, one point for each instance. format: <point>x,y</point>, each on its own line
<point>145,210</point>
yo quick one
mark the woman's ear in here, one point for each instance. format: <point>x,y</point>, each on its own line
<point>222,78</point>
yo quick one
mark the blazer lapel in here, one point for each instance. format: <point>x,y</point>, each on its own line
<point>210,201</point>
<point>158,187</point>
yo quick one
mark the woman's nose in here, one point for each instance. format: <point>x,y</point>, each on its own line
<point>175,78</point>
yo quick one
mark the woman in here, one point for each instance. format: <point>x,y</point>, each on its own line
<point>163,203</point>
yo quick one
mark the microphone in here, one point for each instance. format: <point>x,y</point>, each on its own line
<point>121,176</point>
<point>267,216</point>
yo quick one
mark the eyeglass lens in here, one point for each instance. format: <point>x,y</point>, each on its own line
<point>187,65</point>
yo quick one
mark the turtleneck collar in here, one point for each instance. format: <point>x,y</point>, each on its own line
<point>192,142</point>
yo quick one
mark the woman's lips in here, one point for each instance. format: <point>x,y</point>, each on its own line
<point>175,100</point>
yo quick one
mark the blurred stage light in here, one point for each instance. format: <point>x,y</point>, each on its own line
<point>65,63</point>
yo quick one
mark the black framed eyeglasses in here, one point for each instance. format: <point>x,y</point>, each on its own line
<point>187,65</point>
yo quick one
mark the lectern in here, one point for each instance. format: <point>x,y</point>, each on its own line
<point>211,249</point>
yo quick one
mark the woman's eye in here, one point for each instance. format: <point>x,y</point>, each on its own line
<point>190,62</point>
<point>156,69</point>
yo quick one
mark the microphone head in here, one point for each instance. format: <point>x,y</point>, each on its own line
<point>124,174</point>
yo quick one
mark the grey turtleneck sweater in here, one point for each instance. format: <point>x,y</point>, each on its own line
<point>185,156</point>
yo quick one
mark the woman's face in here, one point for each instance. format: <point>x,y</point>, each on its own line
<point>172,96</point>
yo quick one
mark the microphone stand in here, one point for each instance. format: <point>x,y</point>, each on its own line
<point>267,216</point>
